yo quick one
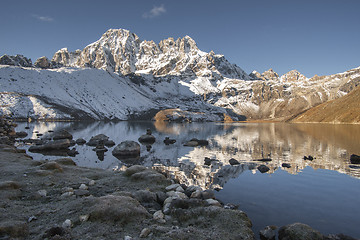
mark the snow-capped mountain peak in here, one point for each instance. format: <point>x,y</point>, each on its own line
<point>119,50</point>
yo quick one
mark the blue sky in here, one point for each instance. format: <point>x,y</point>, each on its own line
<point>315,37</point>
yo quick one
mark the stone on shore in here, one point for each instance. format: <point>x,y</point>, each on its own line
<point>299,231</point>
<point>61,144</point>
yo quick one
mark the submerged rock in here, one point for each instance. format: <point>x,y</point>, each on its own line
<point>80,141</point>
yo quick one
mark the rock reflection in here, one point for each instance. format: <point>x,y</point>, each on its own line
<point>287,144</point>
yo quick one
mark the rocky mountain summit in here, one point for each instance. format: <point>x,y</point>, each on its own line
<point>119,50</point>
<point>122,77</point>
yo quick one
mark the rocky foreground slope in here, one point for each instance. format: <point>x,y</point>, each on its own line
<point>122,77</point>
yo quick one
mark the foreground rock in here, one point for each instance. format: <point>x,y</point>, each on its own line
<point>97,139</point>
<point>299,231</point>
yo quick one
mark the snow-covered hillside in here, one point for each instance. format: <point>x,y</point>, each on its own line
<point>83,93</point>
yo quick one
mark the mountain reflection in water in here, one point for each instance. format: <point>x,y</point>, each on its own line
<point>331,145</point>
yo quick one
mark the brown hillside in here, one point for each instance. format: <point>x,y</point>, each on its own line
<point>342,110</point>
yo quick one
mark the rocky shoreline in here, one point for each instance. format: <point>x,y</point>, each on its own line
<point>59,200</point>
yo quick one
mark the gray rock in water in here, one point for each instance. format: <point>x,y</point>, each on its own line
<point>263,168</point>
<point>268,233</point>
<point>147,138</point>
<point>63,134</point>
<point>299,231</point>
<point>80,141</point>
<point>127,148</point>
<point>42,62</point>
<point>61,144</point>
<point>96,139</point>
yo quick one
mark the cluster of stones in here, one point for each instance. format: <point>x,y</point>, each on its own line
<point>7,131</point>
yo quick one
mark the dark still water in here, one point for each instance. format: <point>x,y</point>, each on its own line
<point>324,192</point>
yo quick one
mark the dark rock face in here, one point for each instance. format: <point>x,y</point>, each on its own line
<point>263,168</point>
<point>127,148</point>
<point>355,159</point>
<point>18,60</point>
<point>42,62</point>
<point>299,231</point>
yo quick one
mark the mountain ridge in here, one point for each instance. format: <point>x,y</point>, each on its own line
<point>173,74</point>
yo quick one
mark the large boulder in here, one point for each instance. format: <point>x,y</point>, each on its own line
<point>147,138</point>
<point>127,149</point>
<point>61,144</point>
<point>121,209</point>
<point>95,140</point>
<point>299,231</point>
<point>63,134</point>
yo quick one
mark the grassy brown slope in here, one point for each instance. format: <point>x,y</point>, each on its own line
<point>342,110</point>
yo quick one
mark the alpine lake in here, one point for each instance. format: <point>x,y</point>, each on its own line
<point>323,192</point>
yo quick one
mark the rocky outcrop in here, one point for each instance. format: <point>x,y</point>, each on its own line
<point>65,58</point>
<point>42,62</point>
<point>18,60</point>
<point>293,76</point>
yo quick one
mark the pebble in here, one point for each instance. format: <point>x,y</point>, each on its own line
<point>127,238</point>
<point>196,194</point>
<point>145,232</point>
<point>179,189</point>
<point>91,183</point>
<point>67,223</point>
<point>84,218</point>
<point>32,218</point>
<point>158,215</point>
<point>83,187</point>
<point>42,192</point>
<point>67,194</point>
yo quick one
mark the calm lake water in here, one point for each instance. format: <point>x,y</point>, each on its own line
<point>324,193</point>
